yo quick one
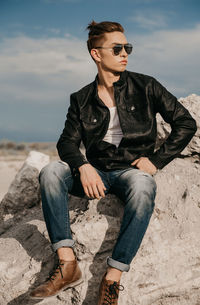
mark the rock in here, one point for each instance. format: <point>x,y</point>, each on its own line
<point>192,103</point>
<point>165,270</point>
<point>24,190</point>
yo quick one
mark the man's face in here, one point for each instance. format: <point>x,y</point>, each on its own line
<point>106,59</point>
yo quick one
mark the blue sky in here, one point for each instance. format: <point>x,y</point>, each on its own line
<point>43,55</point>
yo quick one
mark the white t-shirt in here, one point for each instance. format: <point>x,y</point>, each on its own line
<point>114,133</point>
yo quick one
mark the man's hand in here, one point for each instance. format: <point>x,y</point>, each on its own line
<point>144,164</point>
<point>91,181</point>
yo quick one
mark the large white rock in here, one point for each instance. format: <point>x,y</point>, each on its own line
<point>192,103</point>
<point>24,190</point>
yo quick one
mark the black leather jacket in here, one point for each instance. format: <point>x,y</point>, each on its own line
<point>138,98</point>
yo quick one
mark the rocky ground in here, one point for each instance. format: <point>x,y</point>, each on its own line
<point>165,270</point>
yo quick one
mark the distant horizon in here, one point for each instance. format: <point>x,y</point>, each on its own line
<point>10,140</point>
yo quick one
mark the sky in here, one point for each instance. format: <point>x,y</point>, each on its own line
<point>44,57</point>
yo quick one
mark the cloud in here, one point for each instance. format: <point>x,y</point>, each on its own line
<point>54,31</point>
<point>42,71</point>
<point>172,55</point>
<point>43,56</point>
<point>149,19</point>
<point>61,1</point>
<point>37,77</point>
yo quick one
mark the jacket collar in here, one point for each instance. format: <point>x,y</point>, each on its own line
<point>120,83</point>
<point>122,80</point>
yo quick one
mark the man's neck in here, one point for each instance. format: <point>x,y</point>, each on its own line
<point>106,79</point>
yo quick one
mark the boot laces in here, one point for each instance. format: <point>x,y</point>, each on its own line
<point>111,293</point>
<point>56,270</point>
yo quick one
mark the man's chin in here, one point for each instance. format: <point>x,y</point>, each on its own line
<point>119,70</point>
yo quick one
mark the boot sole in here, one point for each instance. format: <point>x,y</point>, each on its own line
<point>71,285</point>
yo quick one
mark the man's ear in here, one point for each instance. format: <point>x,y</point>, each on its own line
<point>95,54</point>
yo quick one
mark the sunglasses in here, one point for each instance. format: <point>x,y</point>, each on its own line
<point>119,47</point>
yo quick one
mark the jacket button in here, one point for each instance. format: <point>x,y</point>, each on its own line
<point>94,120</point>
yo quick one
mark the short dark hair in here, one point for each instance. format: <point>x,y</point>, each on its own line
<point>97,30</point>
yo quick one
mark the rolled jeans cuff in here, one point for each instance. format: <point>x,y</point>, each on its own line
<point>63,243</point>
<point>118,265</point>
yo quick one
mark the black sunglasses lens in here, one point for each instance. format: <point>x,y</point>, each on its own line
<point>128,48</point>
<point>117,49</point>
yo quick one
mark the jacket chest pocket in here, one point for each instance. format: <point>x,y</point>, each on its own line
<point>137,107</point>
<point>90,123</point>
<point>138,118</point>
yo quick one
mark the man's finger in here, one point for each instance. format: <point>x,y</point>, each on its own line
<point>86,191</point>
<point>135,162</point>
<point>96,192</point>
<point>90,191</point>
<point>101,191</point>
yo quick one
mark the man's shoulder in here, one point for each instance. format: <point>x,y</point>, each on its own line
<point>84,90</point>
<point>140,76</point>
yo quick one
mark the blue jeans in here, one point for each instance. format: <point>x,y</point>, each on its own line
<point>134,187</point>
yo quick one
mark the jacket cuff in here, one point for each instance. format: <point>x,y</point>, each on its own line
<point>75,169</point>
<point>75,163</point>
<point>159,164</point>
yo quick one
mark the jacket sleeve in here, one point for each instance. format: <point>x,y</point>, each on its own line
<point>183,126</point>
<point>69,141</point>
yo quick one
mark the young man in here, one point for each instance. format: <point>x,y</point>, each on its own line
<point>115,117</point>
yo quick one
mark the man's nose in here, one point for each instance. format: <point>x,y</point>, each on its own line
<point>123,53</point>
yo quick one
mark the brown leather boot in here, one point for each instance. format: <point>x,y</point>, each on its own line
<point>109,292</point>
<point>67,274</point>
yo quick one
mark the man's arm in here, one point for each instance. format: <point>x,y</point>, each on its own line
<point>68,151</point>
<point>182,124</point>
<point>69,141</point>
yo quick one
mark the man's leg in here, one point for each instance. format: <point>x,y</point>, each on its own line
<point>137,190</point>
<point>55,183</point>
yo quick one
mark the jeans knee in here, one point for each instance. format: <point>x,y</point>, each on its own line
<point>52,170</point>
<point>148,184</point>
<point>148,194</point>
<point>47,170</point>
<point>145,203</point>
<point>143,191</point>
